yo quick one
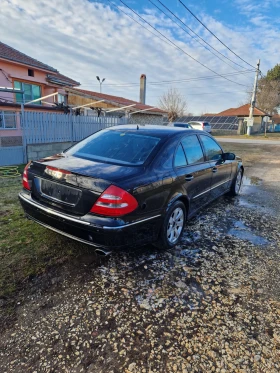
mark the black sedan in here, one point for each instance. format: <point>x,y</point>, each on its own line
<point>129,185</point>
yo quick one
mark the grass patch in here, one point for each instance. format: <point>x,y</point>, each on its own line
<point>26,248</point>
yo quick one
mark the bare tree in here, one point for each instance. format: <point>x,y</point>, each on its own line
<point>174,103</point>
<point>268,95</point>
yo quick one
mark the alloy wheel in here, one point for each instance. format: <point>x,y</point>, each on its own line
<point>238,182</point>
<point>175,225</point>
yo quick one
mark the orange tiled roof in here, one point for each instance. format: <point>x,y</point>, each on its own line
<point>118,100</point>
<point>242,111</point>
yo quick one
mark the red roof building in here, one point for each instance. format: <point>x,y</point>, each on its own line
<point>80,96</point>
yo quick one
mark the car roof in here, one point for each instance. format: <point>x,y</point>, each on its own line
<point>153,130</point>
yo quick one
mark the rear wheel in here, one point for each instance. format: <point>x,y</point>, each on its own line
<point>236,185</point>
<point>173,226</point>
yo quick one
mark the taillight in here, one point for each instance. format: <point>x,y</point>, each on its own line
<point>25,182</point>
<point>203,125</point>
<point>114,201</point>
<point>56,172</point>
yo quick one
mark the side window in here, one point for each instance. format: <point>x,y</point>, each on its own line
<point>180,159</point>
<point>212,149</point>
<point>193,149</point>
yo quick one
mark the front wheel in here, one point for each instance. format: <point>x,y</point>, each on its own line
<point>172,227</point>
<point>236,185</point>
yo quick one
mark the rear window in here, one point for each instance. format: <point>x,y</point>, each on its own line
<point>184,125</point>
<point>116,147</point>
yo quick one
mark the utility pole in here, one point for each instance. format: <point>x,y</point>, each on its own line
<point>253,101</point>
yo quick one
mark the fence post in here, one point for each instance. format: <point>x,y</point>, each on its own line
<point>22,125</point>
<point>72,127</point>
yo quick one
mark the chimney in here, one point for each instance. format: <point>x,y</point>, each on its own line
<point>143,89</point>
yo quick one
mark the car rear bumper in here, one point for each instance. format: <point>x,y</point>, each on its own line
<point>108,236</point>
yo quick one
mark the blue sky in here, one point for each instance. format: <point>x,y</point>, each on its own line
<point>95,38</point>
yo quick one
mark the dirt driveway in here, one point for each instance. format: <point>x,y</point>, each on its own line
<point>210,305</point>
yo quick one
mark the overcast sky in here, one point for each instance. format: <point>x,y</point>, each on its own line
<point>84,38</point>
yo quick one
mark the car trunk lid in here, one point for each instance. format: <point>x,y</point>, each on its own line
<point>73,185</point>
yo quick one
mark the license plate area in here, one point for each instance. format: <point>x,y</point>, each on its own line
<point>59,193</point>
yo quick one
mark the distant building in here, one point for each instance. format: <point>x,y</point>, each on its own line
<point>104,104</point>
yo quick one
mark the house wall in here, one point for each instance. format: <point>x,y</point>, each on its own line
<point>145,119</point>
<point>13,71</point>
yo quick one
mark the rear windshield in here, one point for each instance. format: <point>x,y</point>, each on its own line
<point>116,147</point>
<point>184,125</point>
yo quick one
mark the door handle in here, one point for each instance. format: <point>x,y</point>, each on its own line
<point>214,169</point>
<point>189,177</point>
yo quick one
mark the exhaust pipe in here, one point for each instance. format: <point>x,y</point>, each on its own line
<point>102,252</point>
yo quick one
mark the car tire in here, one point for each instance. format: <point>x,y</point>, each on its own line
<point>236,184</point>
<point>172,227</point>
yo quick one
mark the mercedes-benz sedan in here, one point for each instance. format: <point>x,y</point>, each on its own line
<point>129,185</point>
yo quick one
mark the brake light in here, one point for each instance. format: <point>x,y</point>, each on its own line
<point>203,124</point>
<point>25,182</point>
<point>114,201</point>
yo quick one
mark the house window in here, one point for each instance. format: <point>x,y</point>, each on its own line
<point>8,120</point>
<point>31,92</point>
<point>30,72</point>
<point>61,99</point>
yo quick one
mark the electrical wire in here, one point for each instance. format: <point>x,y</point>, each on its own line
<point>160,82</point>
<point>140,24</point>
<point>212,33</point>
<point>177,47</point>
<point>195,34</point>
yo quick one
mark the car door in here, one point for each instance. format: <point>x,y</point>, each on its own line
<point>193,173</point>
<point>221,170</point>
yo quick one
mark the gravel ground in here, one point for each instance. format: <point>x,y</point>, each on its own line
<point>210,305</point>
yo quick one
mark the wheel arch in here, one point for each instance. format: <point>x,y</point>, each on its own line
<point>180,197</point>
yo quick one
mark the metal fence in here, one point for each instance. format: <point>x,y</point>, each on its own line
<point>42,128</point>
<point>217,122</point>
<point>39,128</point>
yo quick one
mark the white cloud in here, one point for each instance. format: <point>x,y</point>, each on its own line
<point>92,38</point>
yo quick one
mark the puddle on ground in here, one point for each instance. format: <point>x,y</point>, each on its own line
<point>251,180</point>
<point>245,233</point>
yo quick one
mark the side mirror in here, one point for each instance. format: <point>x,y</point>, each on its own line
<point>229,156</point>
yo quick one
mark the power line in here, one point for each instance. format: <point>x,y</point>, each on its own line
<point>140,24</point>
<point>195,34</point>
<point>212,33</point>
<point>174,80</point>
<point>177,47</point>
